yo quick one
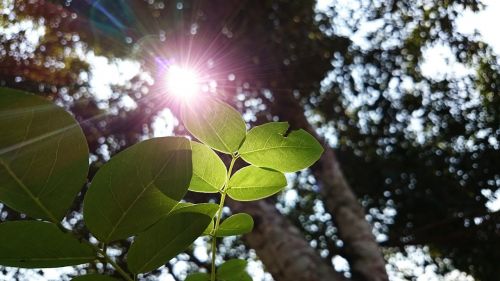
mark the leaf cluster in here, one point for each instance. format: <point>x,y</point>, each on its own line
<point>138,193</point>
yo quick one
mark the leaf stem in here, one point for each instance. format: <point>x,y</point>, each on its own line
<point>105,250</point>
<point>214,246</point>
<point>230,170</point>
<point>118,268</point>
<point>219,215</point>
<point>113,263</point>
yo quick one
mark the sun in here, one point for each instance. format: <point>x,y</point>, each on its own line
<point>182,83</point>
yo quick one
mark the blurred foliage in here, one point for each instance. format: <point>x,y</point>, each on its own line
<point>427,147</point>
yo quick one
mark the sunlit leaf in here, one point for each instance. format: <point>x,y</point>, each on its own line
<point>43,156</point>
<point>253,183</point>
<point>214,123</point>
<point>36,244</point>
<point>209,172</point>
<point>235,225</point>
<point>168,237</point>
<point>267,146</point>
<point>137,187</point>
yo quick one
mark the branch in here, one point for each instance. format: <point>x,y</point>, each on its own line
<point>362,250</point>
<point>282,247</point>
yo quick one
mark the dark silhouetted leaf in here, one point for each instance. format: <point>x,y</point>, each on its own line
<point>233,270</point>
<point>137,187</point>
<point>198,277</point>
<point>235,225</point>
<point>168,237</point>
<point>43,156</point>
<point>94,277</point>
<point>36,244</point>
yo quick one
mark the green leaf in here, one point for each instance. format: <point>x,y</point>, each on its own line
<point>267,146</point>
<point>168,237</point>
<point>94,277</point>
<point>214,123</point>
<point>233,270</point>
<point>235,225</point>
<point>37,244</point>
<point>209,229</point>
<point>209,172</point>
<point>198,277</point>
<point>137,187</point>
<point>242,276</point>
<point>253,183</point>
<point>208,209</point>
<point>43,156</point>
<point>181,205</point>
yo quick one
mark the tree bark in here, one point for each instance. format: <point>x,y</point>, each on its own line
<point>362,250</point>
<point>282,247</point>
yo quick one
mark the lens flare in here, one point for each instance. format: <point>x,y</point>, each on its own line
<point>182,82</point>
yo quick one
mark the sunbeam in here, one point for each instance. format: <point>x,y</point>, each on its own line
<point>182,82</point>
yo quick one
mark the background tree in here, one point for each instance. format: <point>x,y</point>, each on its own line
<point>418,154</point>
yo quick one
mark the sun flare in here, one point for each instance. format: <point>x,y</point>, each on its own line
<point>182,82</point>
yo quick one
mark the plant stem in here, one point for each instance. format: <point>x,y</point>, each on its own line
<point>214,236</point>
<point>97,249</point>
<point>105,250</point>
<point>114,264</point>
<point>118,268</point>
<point>219,215</point>
<point>214,246</point>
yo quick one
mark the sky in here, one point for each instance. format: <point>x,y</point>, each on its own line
<point>439,58</point>
<point>486,22</point>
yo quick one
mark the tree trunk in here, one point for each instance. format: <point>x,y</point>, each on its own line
<point>282,247</point>
<point>362,250</point>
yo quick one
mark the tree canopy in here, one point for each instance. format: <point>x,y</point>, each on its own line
<point>420,152</point>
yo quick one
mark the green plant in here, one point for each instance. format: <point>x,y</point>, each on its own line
<point>138,193</point>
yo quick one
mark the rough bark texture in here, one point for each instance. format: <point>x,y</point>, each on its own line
<point>362,250</point>
<point>282,247</point>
